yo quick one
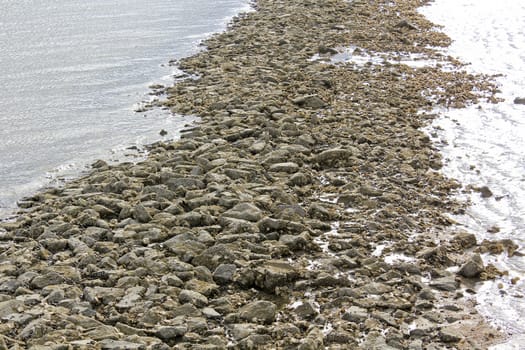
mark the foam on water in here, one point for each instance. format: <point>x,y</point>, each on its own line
<point>483,144</point>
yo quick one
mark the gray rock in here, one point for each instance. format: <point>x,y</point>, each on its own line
<point>355,314</point>
<point>34,330</point>
<point>299,179</point>
<point>205,288</point>
<point>170,333</point>
<point>335,155</point>
<point>519,100</point>
<point>196,324</point>
<point>21,319</point>
<point>294,242</point>
<point>55,297</point>
<point>187,183</point>
<point>313,341</point>
<point>275,273</point>
<point>309,101</point>
<point>214,256</point>
<point>10,307</point>
<point>192,297</point>
<point>255,341</point>
<point>306,310</point>
<point>376,341</point>
<point>262,311</point>
<point>465,240</point>
<point>172,280</point>
<point>102,332</point>
<point>416,345</point>
<point>129,301</point>
<point>209,312</point>
<point>288,167</point>
<point>110,344</point>
<point>385,317</point>
<point>236,174</point>
<point>450,335</point>
<point>185,250</point>
<point>318,211</point>
<point>141,214</point>
<point>421,327</point>
<point>244,211</point>
<point>242,330</point>
<point>473,267</point>
<point>47,279</point>
<point>257,147</point>
<point>447,283</point>
<point>102,295</point>
<point>484,191</point>
<point>224,273</point>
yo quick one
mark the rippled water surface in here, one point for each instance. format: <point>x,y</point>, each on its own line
<point>71,71</point>
<point>485,145</point>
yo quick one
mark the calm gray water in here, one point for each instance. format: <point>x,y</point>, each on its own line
<point>71,72</point>
<point>484,146</point>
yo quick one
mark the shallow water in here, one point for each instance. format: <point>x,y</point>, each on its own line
<point>484,144</point>
<point>71,72</point>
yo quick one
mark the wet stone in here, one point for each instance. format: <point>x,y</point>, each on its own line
<point>519,100</point>
<point>473,267</point>
<point>447,283</point>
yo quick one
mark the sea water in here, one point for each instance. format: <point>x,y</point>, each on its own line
<point>484,145</point>
<point>72,73</point>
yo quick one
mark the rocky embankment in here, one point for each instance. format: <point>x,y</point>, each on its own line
<point>304,211</point>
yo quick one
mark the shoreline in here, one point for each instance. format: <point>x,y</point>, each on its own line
<point>273,220</point>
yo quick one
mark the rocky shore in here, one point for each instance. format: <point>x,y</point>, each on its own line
<point>305,210</point>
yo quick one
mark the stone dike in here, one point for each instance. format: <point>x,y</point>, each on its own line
<point>304,210</point>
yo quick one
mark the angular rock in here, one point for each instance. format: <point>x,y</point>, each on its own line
<point>259,311</point>
<point>214,256</point>
<point>205,288</point>
<point>306,310</point>
<point>110,344</point>
<point>170,333</point>
<point>313,341</point>
<point>275,273</point>
<point>519,100</point>
<point>309,101</point>
<point>288,167</point>
<point>244,211</point>
<point>192,297</point>
<point>224,273</point>
<point>447,283</point>
<point>355,314</point>
<point>141,214</point>
<point>9,307</point>
<point>473,267</point>
<point>47,279</point>
<point>242,330</point>
<point>450,335</point>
